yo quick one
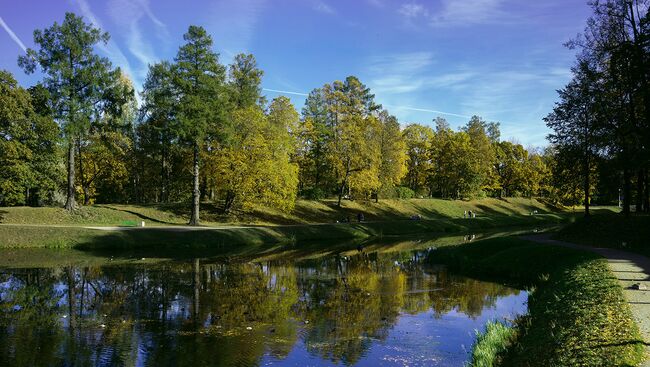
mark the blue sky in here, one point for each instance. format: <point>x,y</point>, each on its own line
<point>500,59</point>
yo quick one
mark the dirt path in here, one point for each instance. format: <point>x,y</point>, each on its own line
<point>182,227</point>
<point>630,269</point>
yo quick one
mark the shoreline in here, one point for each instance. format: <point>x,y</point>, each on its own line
<point>98,237</point>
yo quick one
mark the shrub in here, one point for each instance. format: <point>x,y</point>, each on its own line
<point>404,192</point>
<point>314,193</point>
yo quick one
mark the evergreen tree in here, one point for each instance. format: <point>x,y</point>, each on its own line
<point>199,81</point>
<point>78,80</point>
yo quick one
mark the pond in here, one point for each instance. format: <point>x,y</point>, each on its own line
<point>375,304</point>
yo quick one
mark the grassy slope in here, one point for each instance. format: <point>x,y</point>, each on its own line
<point>440,216</point>
<point>577,313</point>
<point>611,230</point>
<point>12,236</point>
<point>305,212</point>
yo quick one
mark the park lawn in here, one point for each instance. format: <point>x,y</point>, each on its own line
<point>610,230</point>
<point>576,311</point>
<point>17,235</point>
<point>305,212</point>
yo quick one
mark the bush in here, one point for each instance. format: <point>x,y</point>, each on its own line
<point>314,193</point>
<point>404,192</point>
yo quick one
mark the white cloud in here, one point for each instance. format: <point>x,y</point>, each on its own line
<point>111,49</point>
<point>12,35</point>
<point>233,24</point>
<point>468,12</point>
<point>413,10</point>
<point>453,13</point>
<point>404,63</point>
<point>410,72</point>
<point>128,15</point>
<point>323,7</point>
<point>406,83</point>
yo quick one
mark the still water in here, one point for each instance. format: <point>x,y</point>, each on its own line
<point>374,306</point>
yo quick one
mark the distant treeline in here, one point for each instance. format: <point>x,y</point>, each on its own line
<point>204,132</point>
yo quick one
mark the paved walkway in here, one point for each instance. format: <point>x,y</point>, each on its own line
<point>629,268</point>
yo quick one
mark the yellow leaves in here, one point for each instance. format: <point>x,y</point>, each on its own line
<point>255,168</point>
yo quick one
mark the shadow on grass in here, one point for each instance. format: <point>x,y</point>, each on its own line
<point>139,215</point>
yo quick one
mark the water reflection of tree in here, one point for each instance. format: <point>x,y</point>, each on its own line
<point>29,328</point>
<point>198,313</point>
<point>359,304</point>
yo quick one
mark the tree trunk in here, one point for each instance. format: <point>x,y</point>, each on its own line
<point>82,178</point>
<point>587,184</point>
<point>196,193</point>
<point>197,292</point>
<point>646,192</point>
<point>343,184</point>
<point>70,203</point>
<point>72,298</point>
<point>341,192</point>
<point>586,166</point>
<point>204,188</point>
<point>163,175</point>
<point>639,191</point>
<point>228,202</point>
<point>627,188</point>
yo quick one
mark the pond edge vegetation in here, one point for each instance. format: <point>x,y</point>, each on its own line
<point>577,314</point>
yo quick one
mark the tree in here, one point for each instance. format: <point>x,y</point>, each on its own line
<point>574,121</point>
<point>315,138</point>
<point>456,171</point>
<point>105,152</point>
<point>199,81</point>
<point>244,80</point>
<point>418,139</point>
<point>157,136</point>
<point>483,135</point>
<point>511,168</point>
<point>392,150</point>
<point>615,48</point>
<point>255,167</point>
<point>28,144</point>
<point>78,80</point>
<point>352,151</point>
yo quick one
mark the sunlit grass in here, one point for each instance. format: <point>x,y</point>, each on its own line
<point>491,343</point>
<point>386,218</point>
<point>305,212</point>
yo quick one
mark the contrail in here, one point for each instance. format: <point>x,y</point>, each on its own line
<point>13,35</point>
<point>428,110</point>
<point>285,92</point>
<point>390,106</point>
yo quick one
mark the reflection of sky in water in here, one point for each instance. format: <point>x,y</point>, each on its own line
<point>421,339</point>
<point>146,315</point>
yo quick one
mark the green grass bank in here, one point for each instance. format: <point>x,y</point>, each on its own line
<point>53,227</point>
<point>577,315</point>
<point>305,212</point>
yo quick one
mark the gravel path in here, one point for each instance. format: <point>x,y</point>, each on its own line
<point>630,269</point>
